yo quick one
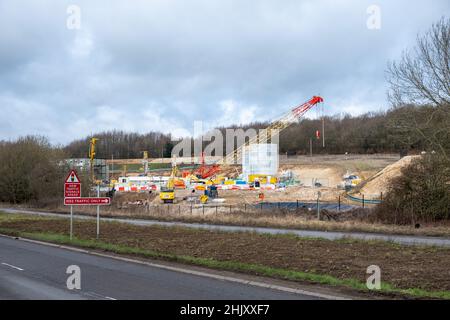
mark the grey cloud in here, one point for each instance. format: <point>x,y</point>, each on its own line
<point>168,63</point>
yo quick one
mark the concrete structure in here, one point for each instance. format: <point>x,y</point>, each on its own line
<point>260,159</point>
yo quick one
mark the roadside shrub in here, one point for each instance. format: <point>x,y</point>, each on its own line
<point>420,194</point>
<point>31,171</point>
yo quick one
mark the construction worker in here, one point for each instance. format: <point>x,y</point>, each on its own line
<point>261,196</point>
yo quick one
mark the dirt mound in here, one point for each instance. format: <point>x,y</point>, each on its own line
<point>127,199</point>
<point>380,181</point>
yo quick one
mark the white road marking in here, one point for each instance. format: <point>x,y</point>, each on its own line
<point>192,272</point>
<point>11,266</point>
<point>98,296</point>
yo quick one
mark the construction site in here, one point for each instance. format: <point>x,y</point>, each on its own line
<point>185,152</point>
<point>254,174</point>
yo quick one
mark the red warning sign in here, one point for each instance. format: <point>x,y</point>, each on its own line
<point>73,177</point>
<point>72,187</point>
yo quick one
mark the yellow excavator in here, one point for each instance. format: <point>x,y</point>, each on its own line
<point>167,193</point>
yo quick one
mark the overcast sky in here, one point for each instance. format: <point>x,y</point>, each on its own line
<point>158,65</point>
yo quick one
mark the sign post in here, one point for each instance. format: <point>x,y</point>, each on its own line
<point>71,222</point>
<point>98,212</point>
<point>72,197</point>
<point>72,189</point>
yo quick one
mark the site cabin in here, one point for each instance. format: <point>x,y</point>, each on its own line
<point>140,184</point>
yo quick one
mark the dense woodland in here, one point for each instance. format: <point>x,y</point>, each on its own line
<point>379,132</point>
<point>123,145</point>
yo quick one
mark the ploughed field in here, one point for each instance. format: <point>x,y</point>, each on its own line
<point>402,266</point>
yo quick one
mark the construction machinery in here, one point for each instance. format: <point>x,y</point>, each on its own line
<point>92,153</point>
<point>210,193</point>
<point>167,192</point>
<point>351,181</point>
<point>206,171</point>
<point>262,179</point>
<point>279,124</point>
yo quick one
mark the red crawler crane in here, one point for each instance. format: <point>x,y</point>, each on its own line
<point>279,124</point>
<point>205,171</point>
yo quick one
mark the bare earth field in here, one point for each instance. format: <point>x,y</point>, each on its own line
<point>424,268</point>
<point>244,215</point>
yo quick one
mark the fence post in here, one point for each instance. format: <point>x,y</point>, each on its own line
<point>297,204</point>
<point>245,207</point>
<point>339,203</point>
<point>363,201</point>
<point>381,196</point>
<point>318,209</point>
<point>203,209</point>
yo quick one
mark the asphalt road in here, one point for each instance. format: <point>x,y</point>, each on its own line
<point>35,271</point>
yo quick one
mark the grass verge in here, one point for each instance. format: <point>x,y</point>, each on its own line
<point>270,219</point>
<point>262,270</point>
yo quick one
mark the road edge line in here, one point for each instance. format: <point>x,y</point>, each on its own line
<point>185,271</point>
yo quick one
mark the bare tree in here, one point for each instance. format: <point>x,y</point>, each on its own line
<point>422,79</point>
<point>30,171</point>
<point>422,76</point>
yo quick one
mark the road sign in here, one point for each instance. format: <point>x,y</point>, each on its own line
<point>73,177</point>
<point>72,190</point>
<point>72,186</point>
<point>72,197</point>
<point>87,201</point>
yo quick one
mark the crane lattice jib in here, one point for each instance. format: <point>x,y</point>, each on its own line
<point>279,124</point>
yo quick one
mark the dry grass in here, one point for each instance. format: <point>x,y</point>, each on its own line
<point>275,218</point>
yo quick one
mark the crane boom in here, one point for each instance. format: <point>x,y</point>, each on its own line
<point>279,124</point>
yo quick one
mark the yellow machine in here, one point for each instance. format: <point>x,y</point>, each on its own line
<point>356,181</point>
<point>204,199</point>
<point>167,193</point>
<point>92,153</point>
<point>262,178</point>
<point>351,181</point>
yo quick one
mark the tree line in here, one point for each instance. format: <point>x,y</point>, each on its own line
<point>374,132</point>
<point>122,145</point>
